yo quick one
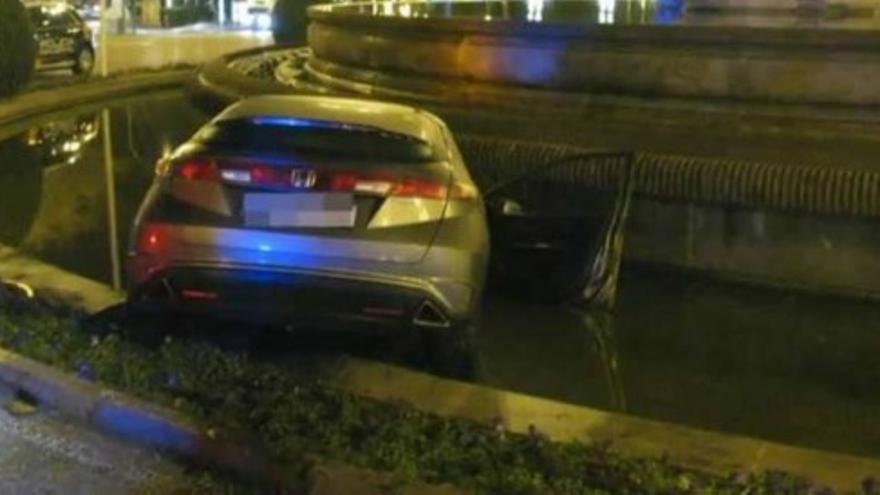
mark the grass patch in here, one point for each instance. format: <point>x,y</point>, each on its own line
<point>296,418</point>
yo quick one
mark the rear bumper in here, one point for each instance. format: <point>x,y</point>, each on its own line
<point>301,298</point>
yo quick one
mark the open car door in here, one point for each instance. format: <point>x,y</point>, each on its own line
<point>553,238</point>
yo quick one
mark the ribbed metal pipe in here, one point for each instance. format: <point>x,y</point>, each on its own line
<point>807,189</point>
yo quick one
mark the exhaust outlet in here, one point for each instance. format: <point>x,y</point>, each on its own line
<point>429,315</point>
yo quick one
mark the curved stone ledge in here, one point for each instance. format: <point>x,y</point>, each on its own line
<point>780,65</point>
<point>221,81</point>
<point>807,189</point>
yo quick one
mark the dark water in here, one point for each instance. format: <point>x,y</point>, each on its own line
<point>618,12</point>
<point>53,200</point>
<point>787,367</point>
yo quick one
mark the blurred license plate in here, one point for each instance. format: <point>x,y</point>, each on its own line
<point>299,210</point>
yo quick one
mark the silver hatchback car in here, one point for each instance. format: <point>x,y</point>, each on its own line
<point>316,211</point>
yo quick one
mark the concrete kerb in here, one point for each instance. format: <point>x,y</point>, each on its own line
<point>144,423</point>
<point>78,292</point>
<point>108,410</point>
<point>629,436</point>
<point>136,420</point>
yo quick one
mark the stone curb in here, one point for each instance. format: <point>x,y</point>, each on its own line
<point>144,423</point>
<point>33,104</point>
<point>77,291</point>
<point>132,419</point>
<point>630,436</point>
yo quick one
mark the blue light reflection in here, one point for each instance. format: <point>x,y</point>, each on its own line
<point>281,121</point>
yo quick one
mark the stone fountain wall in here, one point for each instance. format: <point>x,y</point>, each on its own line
<point>469,60</point>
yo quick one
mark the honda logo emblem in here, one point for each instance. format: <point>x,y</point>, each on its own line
<point>303,179</point>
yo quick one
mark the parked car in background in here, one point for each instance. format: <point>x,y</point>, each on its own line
<point>64,41</point>
<point>318,211</point>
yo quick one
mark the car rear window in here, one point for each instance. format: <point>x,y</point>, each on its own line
<point>317,139</point>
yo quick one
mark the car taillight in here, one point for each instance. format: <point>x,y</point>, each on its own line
<point>417,188</point>
<point>148,240</point>
<point>202,295</point>
<point>197,169</point>
<point>297,178</point>
<point>383,185</point>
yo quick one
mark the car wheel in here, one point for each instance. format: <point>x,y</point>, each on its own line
<point>85,62</point>
<point>451,352</point>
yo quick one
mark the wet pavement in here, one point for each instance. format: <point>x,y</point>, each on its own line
<point>782,366</point>
<point>44,452</point>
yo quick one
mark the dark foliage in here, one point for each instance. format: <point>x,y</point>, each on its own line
<point>300,418</point>
<point>17,47</point>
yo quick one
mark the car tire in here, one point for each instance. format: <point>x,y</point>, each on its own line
<point>451,352</point>
<point>84,61</point>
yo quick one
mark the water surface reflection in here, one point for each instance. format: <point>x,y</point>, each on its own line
<point>790,367</point>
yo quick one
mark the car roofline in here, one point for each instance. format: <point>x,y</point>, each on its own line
<point>357,113</point>
<point>282,121</point>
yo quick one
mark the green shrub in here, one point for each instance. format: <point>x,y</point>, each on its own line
<point>17,47</point>
<point>289,21</point>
